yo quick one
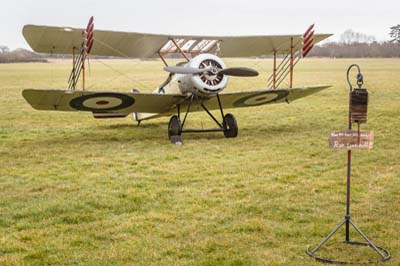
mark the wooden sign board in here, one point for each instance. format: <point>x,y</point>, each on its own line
<point>351,140</point>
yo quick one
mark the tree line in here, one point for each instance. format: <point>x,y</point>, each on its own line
<point>356,50</point>
<point>19,55</point>
<point>355,45</point>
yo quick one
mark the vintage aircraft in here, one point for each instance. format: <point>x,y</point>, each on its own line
<point>194,85</point>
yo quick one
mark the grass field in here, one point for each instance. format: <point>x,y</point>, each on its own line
<point>80,191</point>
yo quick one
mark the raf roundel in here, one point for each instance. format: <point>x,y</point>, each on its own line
<point>102,102</point>
<point>262,98</point>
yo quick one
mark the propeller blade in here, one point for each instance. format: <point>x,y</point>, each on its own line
<point>239,72</point>
<point>184,70</point>
<point>231,71</point>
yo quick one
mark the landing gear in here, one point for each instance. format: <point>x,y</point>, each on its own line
<point>230,126</point>
<point>176,128</point>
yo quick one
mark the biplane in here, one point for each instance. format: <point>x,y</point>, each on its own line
<point>196,84</point>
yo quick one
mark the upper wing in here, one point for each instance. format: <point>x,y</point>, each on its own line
<point>62,40</point>
<point>116,103</point>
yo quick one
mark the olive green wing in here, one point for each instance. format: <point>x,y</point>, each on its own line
<point>62,40</point>
<point>116,103</point>
<point>257,97</point>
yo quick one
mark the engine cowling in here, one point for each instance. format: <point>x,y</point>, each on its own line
<point>206,82</point>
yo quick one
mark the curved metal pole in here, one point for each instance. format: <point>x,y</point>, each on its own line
<point>347,217</point>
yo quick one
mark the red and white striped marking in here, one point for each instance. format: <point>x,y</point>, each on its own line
<point>308,40</point>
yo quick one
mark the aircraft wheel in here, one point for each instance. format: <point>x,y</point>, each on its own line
<point>231,126</point>
<point>174,127</point>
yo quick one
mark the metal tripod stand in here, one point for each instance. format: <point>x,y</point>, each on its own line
<point>383,253</point>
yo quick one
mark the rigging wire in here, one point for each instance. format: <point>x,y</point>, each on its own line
<point>142,85</point>
<point>119,72</point>
<point>52,70</point>
<point>112,48</point>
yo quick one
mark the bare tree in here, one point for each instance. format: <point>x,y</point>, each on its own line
<point>357,50</point>
<point>19,55</point>
<point>395,33</point>
<point>4,48</point>
<point>350,36</point>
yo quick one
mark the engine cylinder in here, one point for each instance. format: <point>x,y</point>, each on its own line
<point>207,82</point>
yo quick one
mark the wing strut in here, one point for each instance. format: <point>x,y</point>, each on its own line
<point>79,62</point>
<point>291,59</point>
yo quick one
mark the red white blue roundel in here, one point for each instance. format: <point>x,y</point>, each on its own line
<point>102,102</point>
<point>261,98</point>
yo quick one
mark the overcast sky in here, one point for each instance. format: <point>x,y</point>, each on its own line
<point>218,17</point>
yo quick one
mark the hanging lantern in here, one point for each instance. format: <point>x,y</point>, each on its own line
<point>359,105</point>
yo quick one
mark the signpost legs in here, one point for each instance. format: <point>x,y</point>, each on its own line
<point>383,253</point>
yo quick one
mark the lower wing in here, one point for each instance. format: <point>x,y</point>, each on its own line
<point>256,98</point>
<point>102,104</point>
<point>115,104</point>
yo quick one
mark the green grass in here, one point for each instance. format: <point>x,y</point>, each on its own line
<point>80,191</point>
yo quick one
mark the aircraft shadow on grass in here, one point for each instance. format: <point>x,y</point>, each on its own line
<point>127,133</point>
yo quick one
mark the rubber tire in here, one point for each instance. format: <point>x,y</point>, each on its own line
<point>174,127</point>
<point>231,125</point>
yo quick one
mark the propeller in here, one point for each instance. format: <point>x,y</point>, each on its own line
<point>184,70</point>
<point>239,72</point>
<point>230,71</point>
